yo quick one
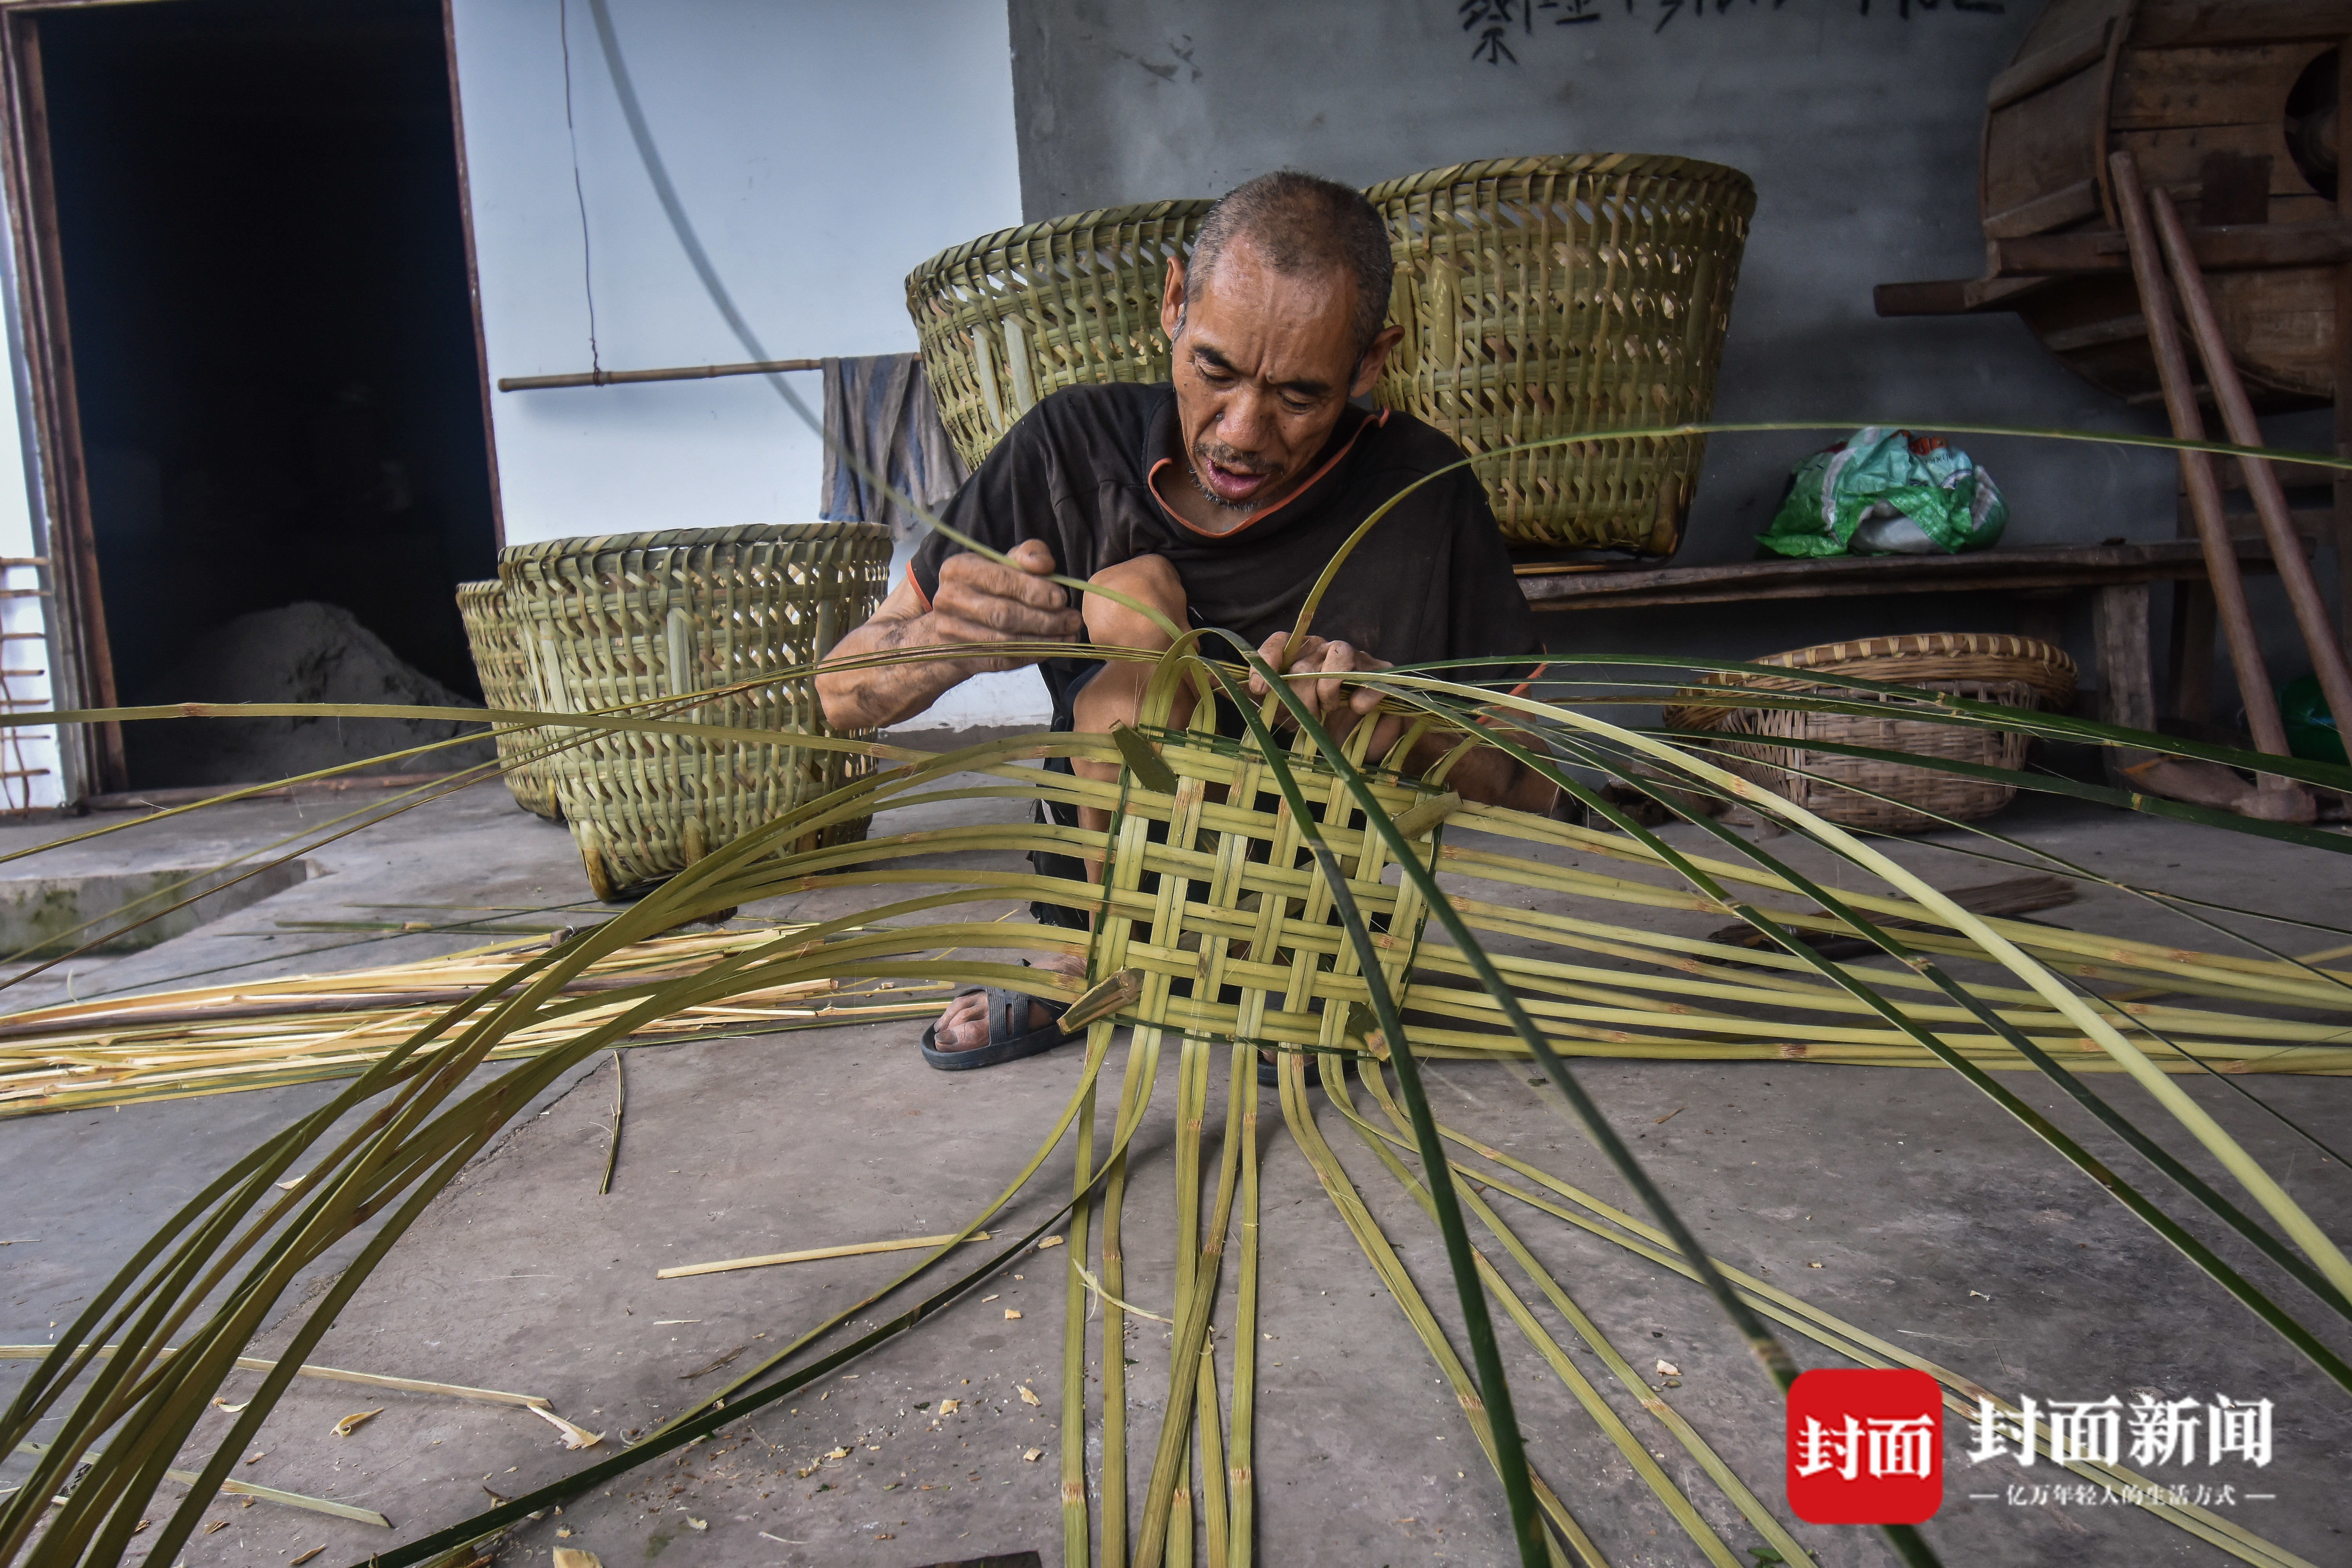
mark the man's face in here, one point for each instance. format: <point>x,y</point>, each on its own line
<point>1263,365</point>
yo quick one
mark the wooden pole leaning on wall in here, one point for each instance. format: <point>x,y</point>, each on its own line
<point>2270,502</point>
<point>2275,798</point>
<point>2343,329</point>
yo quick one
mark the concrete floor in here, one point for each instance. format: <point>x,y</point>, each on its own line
<point>1934,1220</point>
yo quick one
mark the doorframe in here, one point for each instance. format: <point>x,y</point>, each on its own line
<point>82,661</point>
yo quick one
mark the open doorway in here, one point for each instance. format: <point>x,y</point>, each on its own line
<point>259,233</point>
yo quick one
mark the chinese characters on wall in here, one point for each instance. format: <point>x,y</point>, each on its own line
<point>1499,28</point>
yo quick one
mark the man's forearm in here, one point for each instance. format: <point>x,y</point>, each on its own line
<point>883,694</point>
<point>1491,776</point>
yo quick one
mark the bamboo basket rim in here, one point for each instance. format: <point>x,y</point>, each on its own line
<point>1028,233</point>
<point>1484,169</point>
<point>2048,670</point>
<point>686,538</point>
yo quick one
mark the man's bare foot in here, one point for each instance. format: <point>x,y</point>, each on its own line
<point>964,1027</point>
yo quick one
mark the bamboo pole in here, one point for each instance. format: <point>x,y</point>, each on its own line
<point>2238,418</point>
<point>2196,467</point>
<point>677,372</point>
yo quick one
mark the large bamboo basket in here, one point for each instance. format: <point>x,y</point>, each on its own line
<point>505,672</point>
<point>642,618</point>
<point>2017,672</point>
<point>1011,317</point>
<point>1546,296</point>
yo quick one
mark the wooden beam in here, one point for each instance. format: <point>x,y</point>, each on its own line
<point>1953,295</point>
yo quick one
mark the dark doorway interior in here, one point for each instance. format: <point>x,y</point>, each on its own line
<point>258,213</point>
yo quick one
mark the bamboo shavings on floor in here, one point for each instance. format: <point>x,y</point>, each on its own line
<point>174,1044</point>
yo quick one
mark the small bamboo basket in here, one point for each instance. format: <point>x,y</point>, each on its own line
<point>656,618</point>
<point>2016,672</point>
<point>1011,317</point>
<point>1543,297</point>
<point>505,672</point>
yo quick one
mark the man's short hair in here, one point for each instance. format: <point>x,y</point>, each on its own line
<point>1302,224</point>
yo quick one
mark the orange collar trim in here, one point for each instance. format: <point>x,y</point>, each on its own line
<point>1152,479</point>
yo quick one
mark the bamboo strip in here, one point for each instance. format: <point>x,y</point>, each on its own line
<point>813,1254</point>
<point>331,1373</point>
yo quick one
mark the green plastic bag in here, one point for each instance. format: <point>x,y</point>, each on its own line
<point>1887,492</point>
<point>2311,732</point>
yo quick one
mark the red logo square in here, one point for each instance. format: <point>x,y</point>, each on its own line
<point>1865,1448</point>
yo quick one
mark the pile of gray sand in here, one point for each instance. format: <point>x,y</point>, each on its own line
<point>303,653</point>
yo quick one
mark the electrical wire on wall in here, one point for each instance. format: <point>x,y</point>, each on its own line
<point>579,195</point>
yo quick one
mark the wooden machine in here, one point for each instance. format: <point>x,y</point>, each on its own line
<point>2158,173</point>
<point>2230,105</point>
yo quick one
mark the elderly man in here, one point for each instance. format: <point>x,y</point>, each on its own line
<point>1218,497</point>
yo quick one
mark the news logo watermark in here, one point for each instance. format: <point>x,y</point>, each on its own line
<point>1866,1447</point>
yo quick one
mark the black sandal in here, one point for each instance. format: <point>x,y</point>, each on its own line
<point>1003,1044</point>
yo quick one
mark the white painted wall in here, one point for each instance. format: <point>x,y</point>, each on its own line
<point>822,152</point>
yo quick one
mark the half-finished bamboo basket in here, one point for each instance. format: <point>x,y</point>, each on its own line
<point>2014,671</point>
<point>653,617</point>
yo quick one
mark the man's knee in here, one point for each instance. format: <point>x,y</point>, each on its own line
<point>1148,580</point>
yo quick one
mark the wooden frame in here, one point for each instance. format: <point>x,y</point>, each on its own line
<point>81,664</point>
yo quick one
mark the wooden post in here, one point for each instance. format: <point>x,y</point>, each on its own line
<point>2126,672</point>
<point>2190,691</point>
<point>2042,614</point>
<point>2197,469</point>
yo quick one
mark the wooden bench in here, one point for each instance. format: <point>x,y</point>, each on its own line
<point>2119,576</point>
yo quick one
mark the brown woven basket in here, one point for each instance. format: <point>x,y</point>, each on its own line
<point>1011,317</point>
<point>1550,296</point>
<point>505,673</point>
<point>642,618</point>
<point>2014,671</point>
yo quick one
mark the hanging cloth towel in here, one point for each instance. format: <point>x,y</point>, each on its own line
<point>881,408</point>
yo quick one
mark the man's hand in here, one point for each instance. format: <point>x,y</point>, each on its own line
<point>981,602</point>
<point>1318,676</point>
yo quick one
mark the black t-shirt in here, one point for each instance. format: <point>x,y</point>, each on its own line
<point>1432,580</point>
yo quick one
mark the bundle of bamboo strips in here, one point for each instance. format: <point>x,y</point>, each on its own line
<point>216,1039</point>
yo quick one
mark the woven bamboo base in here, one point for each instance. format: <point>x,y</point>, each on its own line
<point>505,673</point>
<point>652,618</point>
<point>2016,672</point>
<point>1224,912</point>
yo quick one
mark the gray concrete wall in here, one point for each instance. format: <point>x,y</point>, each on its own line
<point>1859,121</point>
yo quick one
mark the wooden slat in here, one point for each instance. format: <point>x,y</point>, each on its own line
<point>2224,249</point>
<point>1845,576</point>
<point>2245,84</point>
<point>2042,143</point>
<point>2240,21</point>
<point>2069,204</point>
<point>2174,156</point>
<point>2121,330</point>
<point>2074,52</point>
